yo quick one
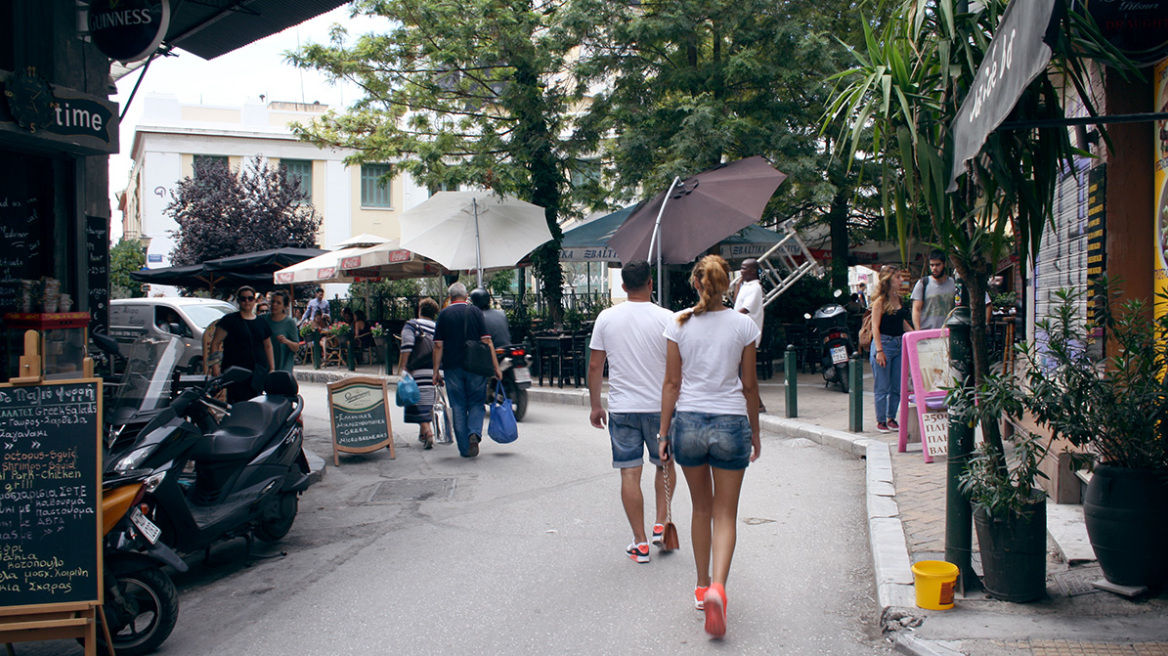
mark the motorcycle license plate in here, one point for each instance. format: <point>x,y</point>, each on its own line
<point>839,354</point>
<point>522,375</point>
<point>150,531</point>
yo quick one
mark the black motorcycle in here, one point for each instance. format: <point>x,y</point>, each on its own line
<point>513,362</point>
<point>242,478</point>
<point>830,324</point>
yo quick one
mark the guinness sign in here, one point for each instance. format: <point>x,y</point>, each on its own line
<point>128,30</point>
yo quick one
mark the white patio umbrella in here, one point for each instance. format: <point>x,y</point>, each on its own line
<point>388,261</point>
<point>320,269</point>
<point>363,239</point>
<point>474,230</point>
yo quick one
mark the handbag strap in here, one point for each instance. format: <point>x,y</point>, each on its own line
<point>668,495</point>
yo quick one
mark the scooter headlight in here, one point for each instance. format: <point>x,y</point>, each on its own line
<point>133,460</point>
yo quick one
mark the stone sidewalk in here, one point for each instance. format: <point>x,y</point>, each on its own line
<point>906,517</point>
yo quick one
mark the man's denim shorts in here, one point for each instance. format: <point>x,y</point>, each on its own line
<point>699,438</point>
<point>631,434</point>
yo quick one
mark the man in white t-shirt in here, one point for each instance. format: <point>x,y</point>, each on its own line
<point>748,301</point>
<point>631,337</point>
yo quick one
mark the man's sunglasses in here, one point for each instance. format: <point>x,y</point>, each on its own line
<point>247,298</point>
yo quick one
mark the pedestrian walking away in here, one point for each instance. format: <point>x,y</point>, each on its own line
<point>422,368</point>
<point>247,342</point>
<point>630,336</point>
<point>889,322</point>
<point>285,334</point>
<point>495,320</point>
<point>748,301</point>
<point>465,390</point>
<point>709,415</point>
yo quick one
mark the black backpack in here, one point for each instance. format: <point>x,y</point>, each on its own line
<point>422,355</point>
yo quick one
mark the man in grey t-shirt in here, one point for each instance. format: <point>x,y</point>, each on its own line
<point>935,295</point>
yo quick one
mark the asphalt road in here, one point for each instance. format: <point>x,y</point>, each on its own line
<point>521,551</point>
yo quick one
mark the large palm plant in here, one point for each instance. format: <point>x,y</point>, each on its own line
<point>899,101</point>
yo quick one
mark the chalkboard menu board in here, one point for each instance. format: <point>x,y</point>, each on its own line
<point>20,259</point>
<point>97,254</point>
<point>360,416</point>
<point>50,492</point>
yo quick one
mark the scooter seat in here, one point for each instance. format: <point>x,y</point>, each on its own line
<point>243,432</point>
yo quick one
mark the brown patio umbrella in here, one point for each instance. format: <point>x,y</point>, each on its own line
<point>697,213</point>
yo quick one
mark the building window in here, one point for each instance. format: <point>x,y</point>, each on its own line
<point>300,169</point>
<point>206,161</point>
<point>374,190</point>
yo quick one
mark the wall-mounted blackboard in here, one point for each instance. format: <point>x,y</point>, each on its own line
<point>20,259</point>
<point>50,493</point>
<point>97,249</point>
<point>360,416</point>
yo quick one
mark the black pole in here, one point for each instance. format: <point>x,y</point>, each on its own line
<point>958,510</point>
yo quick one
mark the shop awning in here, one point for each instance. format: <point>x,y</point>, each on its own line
<point>210,28</point>
<point>1017,54</point>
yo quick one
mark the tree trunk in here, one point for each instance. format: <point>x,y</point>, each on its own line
<point>837,218</point>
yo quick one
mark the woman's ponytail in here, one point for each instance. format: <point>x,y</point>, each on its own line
<point>711,276</point>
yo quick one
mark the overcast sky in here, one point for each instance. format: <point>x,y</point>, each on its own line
<point>230,80</point>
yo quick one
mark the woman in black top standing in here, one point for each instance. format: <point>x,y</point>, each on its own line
<point>890,320</point>
<point>247,343</point>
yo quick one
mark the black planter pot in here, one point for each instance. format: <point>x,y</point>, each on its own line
<point>1126,512</point>
<point>1013,553</point>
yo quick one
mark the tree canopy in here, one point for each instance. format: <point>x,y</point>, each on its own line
<point>467,93</point>
<point>221,212</point>
<point>126,257</point>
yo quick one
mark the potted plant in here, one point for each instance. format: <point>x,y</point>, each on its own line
<point>379,332</point>
<point>341,332</point>
<point>1009,514</point>
<point>1115,411</point>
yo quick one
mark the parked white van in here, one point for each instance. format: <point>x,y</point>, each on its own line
<point>187,317</point>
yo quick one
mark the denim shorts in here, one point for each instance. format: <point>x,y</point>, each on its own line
<point>699,438</point>
<point>631,434</point>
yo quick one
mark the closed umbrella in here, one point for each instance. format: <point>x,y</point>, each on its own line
<point>697,213</point>
<point>474,230</point>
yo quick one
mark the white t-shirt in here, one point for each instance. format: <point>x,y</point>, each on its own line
<point>630,335</point>
<point>711,349</point>
<point>749,296</point>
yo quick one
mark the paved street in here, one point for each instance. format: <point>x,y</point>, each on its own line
<point>521,551</point>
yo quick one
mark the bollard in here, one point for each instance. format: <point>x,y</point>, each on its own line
<point>791,380</point>
<point>351,355</point>
<point>316,354</point>
<point>856,393</point>
<point>388,364</point>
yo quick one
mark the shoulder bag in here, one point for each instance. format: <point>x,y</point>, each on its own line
<point>865,339</point>
<point>422,355</point>
<point>477,358</point>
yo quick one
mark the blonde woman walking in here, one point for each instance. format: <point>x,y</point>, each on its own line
<point>709,413</point>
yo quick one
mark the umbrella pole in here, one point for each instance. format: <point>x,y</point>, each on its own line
<point>656,233</point>
<point>478,244</point>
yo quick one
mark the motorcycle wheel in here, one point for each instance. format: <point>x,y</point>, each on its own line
<point>275,528</point>
<point>841,376</point>
<point>518,398</point>
<point>153,606</point>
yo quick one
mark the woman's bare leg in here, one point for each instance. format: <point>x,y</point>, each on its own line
<point>701,492</point>
<point>727,487</point>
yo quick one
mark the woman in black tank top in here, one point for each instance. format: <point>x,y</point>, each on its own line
<point>893,321</point>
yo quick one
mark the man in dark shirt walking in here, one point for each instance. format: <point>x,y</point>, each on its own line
<point>466,391</point>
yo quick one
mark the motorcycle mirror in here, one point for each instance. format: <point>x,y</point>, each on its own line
<point>106,343</point>
<point>235,375</point>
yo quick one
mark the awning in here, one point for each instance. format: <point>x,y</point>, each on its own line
<point>1017,54</point>
<point>210,28</point>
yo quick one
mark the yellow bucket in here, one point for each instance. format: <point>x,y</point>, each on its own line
<point>935,580</point>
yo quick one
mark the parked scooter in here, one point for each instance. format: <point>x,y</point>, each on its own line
<point>513,362</point>
<point>831,329</point>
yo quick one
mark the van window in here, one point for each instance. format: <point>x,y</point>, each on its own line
<point>203,315</point>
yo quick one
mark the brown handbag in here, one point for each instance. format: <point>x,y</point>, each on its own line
<point>670,541</point>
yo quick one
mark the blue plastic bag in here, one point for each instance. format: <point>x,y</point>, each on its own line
<point>503,429</point>
<point>407,391</point>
